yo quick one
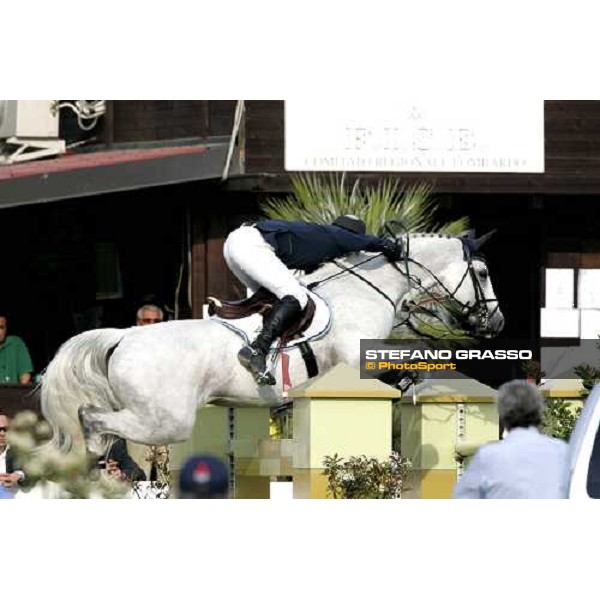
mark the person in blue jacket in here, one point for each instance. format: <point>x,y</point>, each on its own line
<point>261,254</point>
<point>525,463</point>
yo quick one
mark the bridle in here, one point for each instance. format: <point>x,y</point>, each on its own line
<point>477,313</point>
<point>480,308</point>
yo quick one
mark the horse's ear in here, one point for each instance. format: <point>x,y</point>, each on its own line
<point>477,243</point>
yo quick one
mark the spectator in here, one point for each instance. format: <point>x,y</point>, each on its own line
<point>526,463</point>
<point>119,464</point>
<point>15,362</point>
<point>10,473</point>
<point>204,477</point>
<point>149,314</point>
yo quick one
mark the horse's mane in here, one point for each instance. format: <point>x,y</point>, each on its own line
<point>447,236</point>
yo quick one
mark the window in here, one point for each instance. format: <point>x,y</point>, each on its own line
<point>560,288</point>
<point>571,303</point>
<point>108,272</point>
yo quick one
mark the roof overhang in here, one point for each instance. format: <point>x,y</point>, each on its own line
<point>92,173</point>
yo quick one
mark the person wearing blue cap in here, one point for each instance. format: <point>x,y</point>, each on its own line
<point>261,254</point>
<point>204,477</point>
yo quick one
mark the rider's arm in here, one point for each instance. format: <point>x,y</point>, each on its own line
<point>392,250</point>
<point>377,244</point>
<point>355,242</point>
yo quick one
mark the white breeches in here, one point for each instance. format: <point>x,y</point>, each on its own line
<point>254,262</point>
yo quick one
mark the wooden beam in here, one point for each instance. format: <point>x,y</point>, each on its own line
<point>216,268</point>
<point>198,266</point>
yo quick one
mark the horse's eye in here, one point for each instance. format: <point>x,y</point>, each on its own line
<point>483,273</point>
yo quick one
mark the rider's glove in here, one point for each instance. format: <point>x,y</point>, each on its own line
<point>392,251</point>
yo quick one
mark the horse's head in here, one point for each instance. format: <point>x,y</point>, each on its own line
<point>449,272</point>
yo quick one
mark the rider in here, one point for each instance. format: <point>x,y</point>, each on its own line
<point>261,254</point>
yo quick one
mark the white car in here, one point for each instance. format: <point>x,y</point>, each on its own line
<point>585,450</point>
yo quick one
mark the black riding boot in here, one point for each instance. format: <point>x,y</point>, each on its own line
<point>254,356</point>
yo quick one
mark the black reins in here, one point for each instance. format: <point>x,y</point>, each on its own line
<point>478,308</point>
<point>351,270</point>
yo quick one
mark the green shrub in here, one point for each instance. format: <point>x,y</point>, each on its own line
<point>559,419</point>
<point>360,477</point>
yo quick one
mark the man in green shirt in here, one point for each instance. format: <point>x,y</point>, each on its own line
<point>15,362</point>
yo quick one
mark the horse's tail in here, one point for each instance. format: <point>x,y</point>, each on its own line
<point>78,376</point>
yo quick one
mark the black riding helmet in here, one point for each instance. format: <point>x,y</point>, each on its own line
<point>351,223</point>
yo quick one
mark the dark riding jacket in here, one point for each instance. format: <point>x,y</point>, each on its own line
<point>305,246</point>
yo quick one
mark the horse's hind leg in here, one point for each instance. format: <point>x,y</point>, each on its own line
<point>91,426</point>
<point>144,430</point>
<point>123,423</point>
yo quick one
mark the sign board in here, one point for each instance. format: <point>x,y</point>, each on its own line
<point>415,136</point>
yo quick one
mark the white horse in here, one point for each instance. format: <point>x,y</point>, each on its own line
<point>146,384</point>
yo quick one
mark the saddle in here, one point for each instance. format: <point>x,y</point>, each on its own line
<point>261,302</point>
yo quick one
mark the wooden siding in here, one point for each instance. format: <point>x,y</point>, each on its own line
<point>15,398</point>
<point>131,121</point>
<point>264,136</point>
<point>211,223</point>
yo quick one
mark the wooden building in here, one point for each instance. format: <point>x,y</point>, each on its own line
<point>544,221</point>
<point>142,211</point>
<point>90,235</point>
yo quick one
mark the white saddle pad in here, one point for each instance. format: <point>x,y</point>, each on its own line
<point>249,327</point>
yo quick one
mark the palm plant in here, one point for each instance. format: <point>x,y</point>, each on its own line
<point>320,199</point>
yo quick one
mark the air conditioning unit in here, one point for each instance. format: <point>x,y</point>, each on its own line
<point>28,118</point>
<point>29,130</point>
